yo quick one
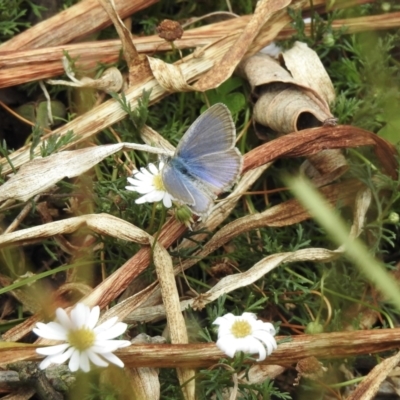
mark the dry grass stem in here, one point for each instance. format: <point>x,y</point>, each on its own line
<point>324,346</point>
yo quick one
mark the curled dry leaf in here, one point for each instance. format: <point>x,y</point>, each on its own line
<point>169,76</point>
<point>306,68</point>
<point>288,103</point>
<point>293,96</point>
<point>103,224</point>
<point>286,108</point>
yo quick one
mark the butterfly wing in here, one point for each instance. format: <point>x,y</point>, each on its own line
<point>217,171</point>
<point>212,132</point>
<point>181,187</point>
<point>207,149</point>
<point>174,182</point>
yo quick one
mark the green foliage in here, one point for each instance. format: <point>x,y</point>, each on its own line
<point>12,13</point>
<point>229,93</point>
<point>218,380</point>
<point>53,144</point>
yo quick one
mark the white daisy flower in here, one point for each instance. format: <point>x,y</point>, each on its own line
<point>84,341</point>
<point>149,182</point>
<point>245,333</point>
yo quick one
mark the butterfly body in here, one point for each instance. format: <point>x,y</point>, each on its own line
<point>205,162</point>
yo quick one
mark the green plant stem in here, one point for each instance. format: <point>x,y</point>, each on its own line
<point>354,249</point>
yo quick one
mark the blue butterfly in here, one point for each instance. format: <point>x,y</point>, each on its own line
<point>206,161</point>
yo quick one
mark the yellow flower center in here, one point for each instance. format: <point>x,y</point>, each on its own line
<point>81,339</point>
<point>241,329</point>
<point>158,183</point>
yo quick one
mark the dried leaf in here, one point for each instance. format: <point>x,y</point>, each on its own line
<point>175,320</point>
<point>110,81</point>
<point>368,388</point>
<point>144,382</point>
<point>223,69</point>
<point>76,17</point>
<point>324,167</point>
<point>169,76</point>
<point>312,141</point>
<point>306,68</point>
<point>23,66</point>
<point>285,103</point>
<point>197,355</point>
<point>129,49</point>
<point>40,174</point>
<point>285,108</point>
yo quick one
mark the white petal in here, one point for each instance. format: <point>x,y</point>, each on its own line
<point>227,318</point>
<point>248,316</point>
<point>141,200</point>
<point>264,326</point>
<point>52,350</point>
<point>63,318</point>
<point>267,339</point>
<point>94,317</point>
<point>154,196</point>
<point>167,201</point>
<point>262,353</point>
<point>228,346</point>
<point>132,181</point>
<point>144,189</point>
<point>45,363</point>
<point>106,325</point>
<point>108,346</point>
<point>73,364</point>
<point>95,359</point>
<point>122,343</point>
<point>252,345</point>
<point>143,177</point>
<point>60,358</point>
<point>52,330</point>
<point>115,331</point>
<point>56,359</point>
<point>112,358</point>
<point>79,315</point>
<point>153,169</point>
<point>84,362</point>
<point>146,174</point>
<point>138,182</point>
